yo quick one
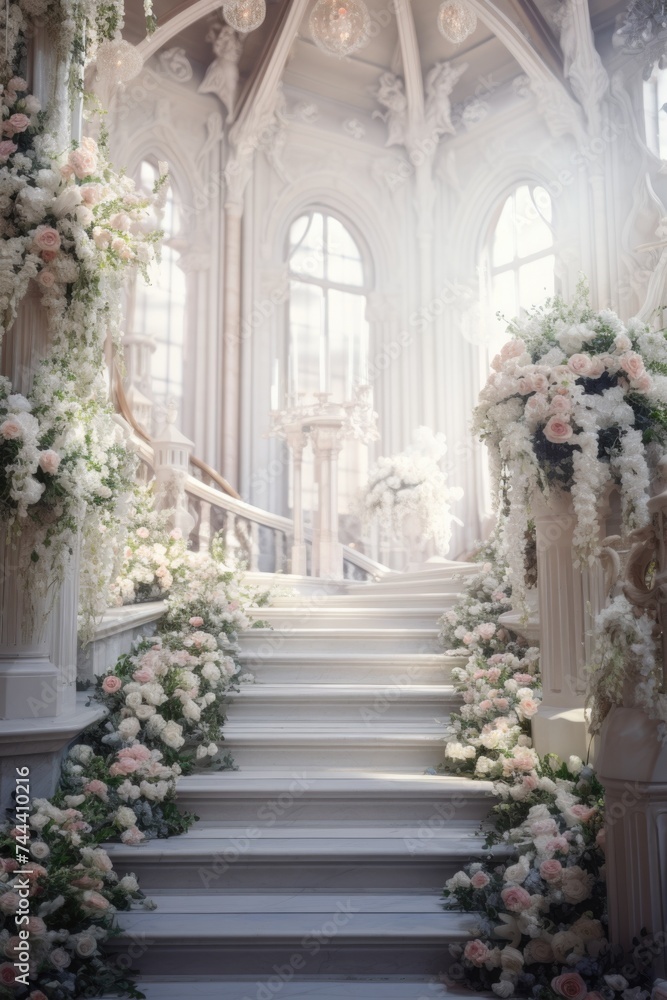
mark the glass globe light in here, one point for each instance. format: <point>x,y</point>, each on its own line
<point>339,27</point>
<point>456,20</point>
<point>244,15</point>
<point>119,61</point>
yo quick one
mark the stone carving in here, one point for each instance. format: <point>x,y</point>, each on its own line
<point>581,62</point>
<point>222,76</point>
<point>175,64</point>
<point>440,82</point>
<point>390,93</point>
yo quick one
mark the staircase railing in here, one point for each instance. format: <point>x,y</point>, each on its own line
<point>256,537</point>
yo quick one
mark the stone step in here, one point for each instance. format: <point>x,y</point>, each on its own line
<point>323,615</point>
<point>250,988</point>
<point>283,666</point>
<point>259,643</point>
<point>408,746</point>
<point>310,933</point>
<point>353,859</point>
<point>365,704</point>
<point>322,798</point>
<point>436,601</point>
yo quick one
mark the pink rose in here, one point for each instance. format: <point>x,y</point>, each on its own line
<point>196,622</point>
<point>60,958</point>
<point>502,704</point>
<point>512,349</point>
<point>144,676</point>
<point>83,162</point>
<point>91,193</point>
<point>557,845</point>
<point>46,278</point>
<point>36,926</point>
<point>530,782</point>
<point>493,674</point>
<point>10,429</point>
<point>597,367</point>
<point>642,384</point>
<point>111,684</point>
<point>132,836</point>
<point>7,974</point>
<point>17,123</point>
<point>47,238</point>
<point>570,985</point>
<point>516,898</point>
<point>476,952</point>
<point>582,813</point>
<point>551,871</point>
<point>528,707</point>
<point>468,638</point>
<point>487,630</point>
<point>38,995</point>
<point>123,767</point>
<point>601,839</point>
<point>524,678</point>
<point>539,382</point>
<point>524,386</point>
<point>560,405</point>
<point>485,705</point>
<point>633,364</point>
<point>49,461</point>
<point>536,407</point>
<point>96,787</point>
<point>49,255</point>
<point>479,880</point>
<point>17,83</point>
<point>94,902</point>
<point>9,902</point>
<point>557,431</point>
<point>580,364</point>
<point>7,147</point>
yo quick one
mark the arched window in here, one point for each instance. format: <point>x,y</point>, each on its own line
<point>518,269</point>
<point>328,331</point>
<point>655,117</point>
<point>160,305</point>
<point>327,337</point>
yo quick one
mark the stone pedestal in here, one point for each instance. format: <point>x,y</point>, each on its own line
<point>632,765</point>
<point>569,599</point>
<point>29,679</point>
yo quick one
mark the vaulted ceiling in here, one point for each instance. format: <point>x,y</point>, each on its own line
<point>409,51</point>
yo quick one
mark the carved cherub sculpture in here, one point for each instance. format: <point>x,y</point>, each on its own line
<point>440,83</point>
<point>222,76</point>
<point>390,93</point>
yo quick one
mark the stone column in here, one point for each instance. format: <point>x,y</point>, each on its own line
<point>569,599</point>
<point>325,431</point>
<point>172,452</point>
<point>296,441</point>
<point>231,342</point>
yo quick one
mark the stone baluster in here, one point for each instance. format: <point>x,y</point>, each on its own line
<point>279,551</point>
<point>632,765</point>
<point>172,451</point>
<point>569,599</point>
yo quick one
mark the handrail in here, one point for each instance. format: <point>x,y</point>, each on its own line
<point>195,487</point>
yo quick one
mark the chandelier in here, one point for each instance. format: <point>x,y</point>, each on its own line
<point>118,61</point>
<point>339,27</point>
<point>244,15</point>
<point>456,20</point>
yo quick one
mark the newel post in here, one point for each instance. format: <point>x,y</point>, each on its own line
<point>569,599</point>
<point>172,451</point>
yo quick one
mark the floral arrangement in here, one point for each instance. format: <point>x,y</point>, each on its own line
<point>541,904</point>
<point>576,400</point>
<point>165,712</point>
<point>154,556</point>
<point>412,483</point>
<point>627,646</point>
<point>70,226</point>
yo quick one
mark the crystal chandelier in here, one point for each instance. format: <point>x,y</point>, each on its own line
<point>339,27</point>
<point>244,15</point>
<point>118,61</point>
<point>456,20</point>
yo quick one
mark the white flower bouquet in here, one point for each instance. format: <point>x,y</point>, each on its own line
<point>577,400</point>
<point>413,484</point>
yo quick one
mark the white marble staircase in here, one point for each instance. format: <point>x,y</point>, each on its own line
<point>316,869</point>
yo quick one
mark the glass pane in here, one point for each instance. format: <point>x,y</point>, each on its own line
<point>307,247</point>
<point>504,235</point>
<point>306,358</point>
<point>348,342</point>
<point>503,301</point>
<point>344,264</point>
<point>533,233</point>
<point>536,282</point>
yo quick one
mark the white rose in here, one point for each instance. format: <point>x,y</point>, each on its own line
<point>172,735</point>
<point>129,883</point>
<point>86,945</point>
<point>128,729</point>
<point>125,817</point>
<point>575,764</point>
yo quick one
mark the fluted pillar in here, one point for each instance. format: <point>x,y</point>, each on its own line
<point>569,599</point>
<point>327,440</point>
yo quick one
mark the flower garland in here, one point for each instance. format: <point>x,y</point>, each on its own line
<point>165,711</point>
<point>413,484</point>
<point>70,227</point>
<point>575,402</point>
<point>542,911</point>
<point>627,646</point>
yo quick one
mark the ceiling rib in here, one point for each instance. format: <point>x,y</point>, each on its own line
<point>412,68</point>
